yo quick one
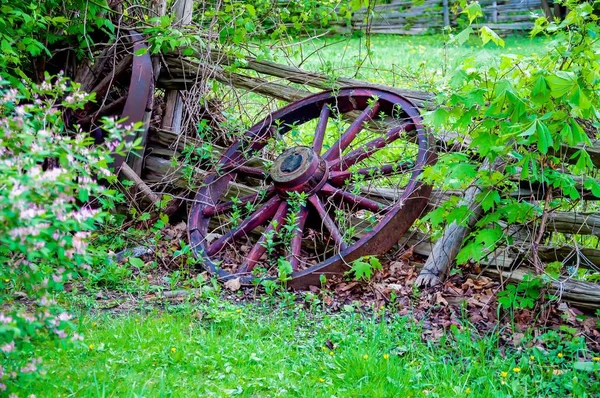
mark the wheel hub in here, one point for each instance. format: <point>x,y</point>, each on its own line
<point>298,169</point>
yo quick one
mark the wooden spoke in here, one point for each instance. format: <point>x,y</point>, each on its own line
<point>260,247</point>
<point>369,148</point>
<point>259,217</point>
<point>328,222</point>
<point>353,199</point>
<point>340,177</point>
<point>247,171</point>
<point>320,131</point>
<point>225,207</point>
<point>296,244</point>
<point>336,150</point>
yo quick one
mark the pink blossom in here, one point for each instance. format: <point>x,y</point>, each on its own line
<point>60,333</point>
<point>10,95</point>
<point>52,175</point>
<point>77,337</point>
<point>64,317</point>
<point>29,368</point>
<point>10,347</point>
<point>5,319</point>
<point>84,214</point>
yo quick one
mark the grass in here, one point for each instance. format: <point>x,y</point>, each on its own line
<point>419,63</point>
<point>400,61</point>
<point>216,348</point>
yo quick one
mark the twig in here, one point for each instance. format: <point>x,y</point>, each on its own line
<point>139,184</point>
<point>539,269</point>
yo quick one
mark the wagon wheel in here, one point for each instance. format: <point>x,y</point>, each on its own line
<point>312,208</point>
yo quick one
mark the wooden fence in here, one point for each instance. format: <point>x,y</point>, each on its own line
<point>419,17</point>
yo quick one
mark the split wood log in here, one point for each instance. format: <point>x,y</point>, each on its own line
<point>447,247</point>
<point>578,293</point>
<point>173,116</point>
<point>574,223</point>
<point>291,74</point>
<point>181,79</point>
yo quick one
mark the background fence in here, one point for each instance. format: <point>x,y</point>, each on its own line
<point>428,16</point>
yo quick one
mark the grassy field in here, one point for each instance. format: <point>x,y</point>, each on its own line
<point>420,63</point>
<point>404,62</point>
<point>216,348</point>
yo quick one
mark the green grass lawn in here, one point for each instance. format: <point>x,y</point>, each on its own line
<point>419,62</point>
<point>400,61</point>
<point>216,348</point>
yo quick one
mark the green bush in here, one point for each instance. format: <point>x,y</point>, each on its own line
<point>48,181</point>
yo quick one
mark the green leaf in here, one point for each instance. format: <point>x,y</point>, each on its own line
<point>580,100</point>
<point>439,117</point>
<point>487,34</point>
<point>141,51</point>
<point>473,10</point>
<point>462,37</point>
<point>561,83</point>
<point>592,185</point>
<point>540,90</point>
<point>584,161</point>
<point>251,10</point>
<point>587,366</point>
<point>136,262</point>
<point>544,137</point>
<point>362,270</point>
<point>489,199</point>
<point>356,5</point>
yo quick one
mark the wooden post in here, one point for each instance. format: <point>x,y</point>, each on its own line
<point>494,11</point>
<point>447,247</point>
<point>446,13</point>
<point>173,115</point>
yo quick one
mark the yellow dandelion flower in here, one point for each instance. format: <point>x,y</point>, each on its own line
<point>173,349</point>
<point>322,380</point>
<point>331,353</point>
<point>516,370</point>
<point>94,324</point>
<point>468,390</point>
<point>365,356</point>
<point>91,346</point>
<point>503,374</point>
<point>560,355</point>
<point>596,359</point>
<point>386,356</point>
<point>7,280</point>
<point>324,348</point>
<point>532,357</point>
<point>238,310</point>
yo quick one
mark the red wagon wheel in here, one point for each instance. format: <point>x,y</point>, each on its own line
<point>313,210</point>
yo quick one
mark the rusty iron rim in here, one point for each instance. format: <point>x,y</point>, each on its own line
<point>308,170</point>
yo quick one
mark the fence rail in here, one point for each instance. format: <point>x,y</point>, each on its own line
<point>420,17</point>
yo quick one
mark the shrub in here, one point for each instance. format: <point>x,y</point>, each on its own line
<point>47,188</point>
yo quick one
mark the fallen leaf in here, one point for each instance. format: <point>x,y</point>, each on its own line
<point>233,284</point>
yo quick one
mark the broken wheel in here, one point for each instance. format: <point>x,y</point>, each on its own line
<point>313,187</point>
